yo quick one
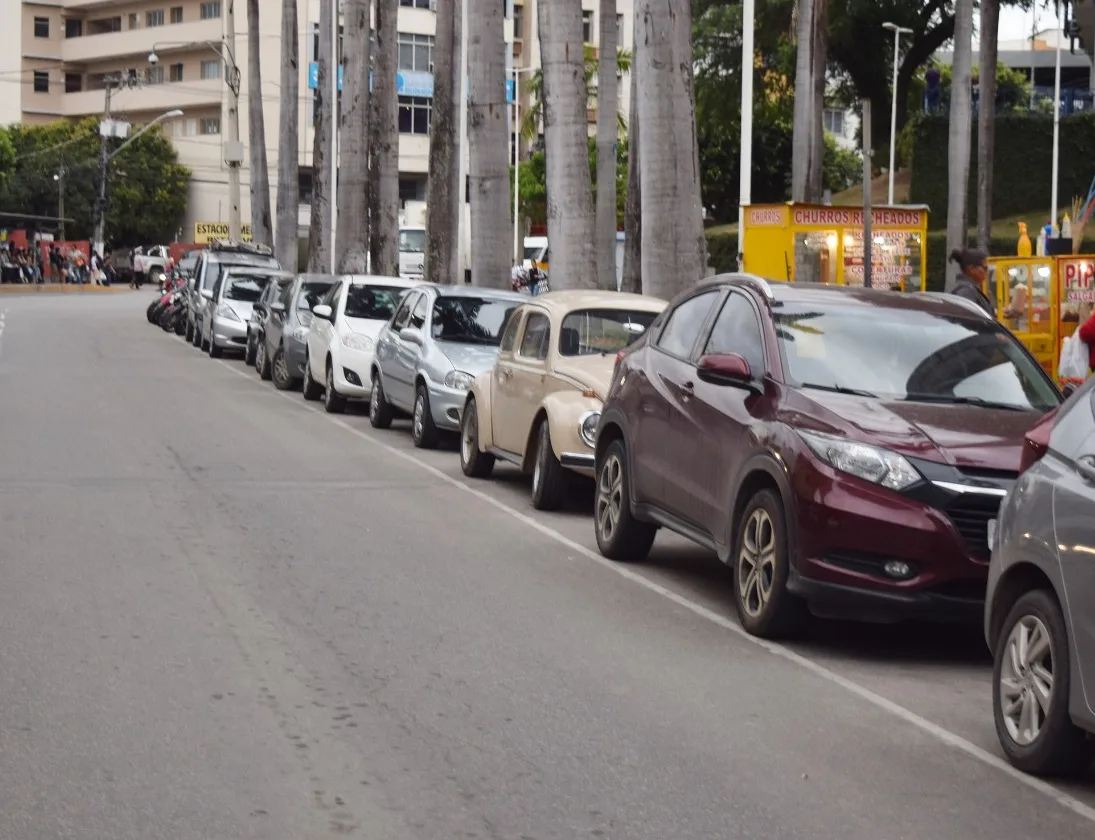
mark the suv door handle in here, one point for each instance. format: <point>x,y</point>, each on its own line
<point>688,390</point>
<point>1086,466</point>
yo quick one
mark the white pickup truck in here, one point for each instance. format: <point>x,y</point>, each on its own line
<point>150,261</point>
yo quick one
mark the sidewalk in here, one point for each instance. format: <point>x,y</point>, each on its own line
<point>58,288</point>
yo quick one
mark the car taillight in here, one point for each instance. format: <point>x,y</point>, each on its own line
<point>1036,441</point>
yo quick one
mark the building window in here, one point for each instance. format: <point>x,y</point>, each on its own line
<point>74,28</point>
<point>587,26</point>
<point>416,4</point>
<point>619,30</point>
<point>134,20</point>
<point>155,75</point>
<point>184,128</point>
<point>833,121</point>
<point>518,21</point>
<point>176,14</point>
<point>211,69</point>
<point>414,115</point>
<point>102,26</point>
<point>41,81</point>
<point>210,125</point>
<point>154,18</point>
<point>211,10</point>
<point>176,72</point>
<point>415,52</point>
<point>74,83</point>
<point>41,27</point>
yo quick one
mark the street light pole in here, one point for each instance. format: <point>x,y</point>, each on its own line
<point>897,33</point>
<point>1056,132</point>
<point>233,152</point>
<point>745,163</point>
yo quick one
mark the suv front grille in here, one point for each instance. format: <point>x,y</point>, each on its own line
<point>970,516</point>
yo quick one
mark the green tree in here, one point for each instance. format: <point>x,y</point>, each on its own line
<point>533,175</point>
<point>146,185</point>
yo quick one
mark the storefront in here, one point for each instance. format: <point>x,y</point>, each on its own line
<point>821,244</point>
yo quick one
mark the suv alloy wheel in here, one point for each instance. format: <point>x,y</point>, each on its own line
<point>761,568</point>
<point>620,536</point>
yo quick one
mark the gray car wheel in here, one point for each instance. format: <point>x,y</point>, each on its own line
<point>424,431</point>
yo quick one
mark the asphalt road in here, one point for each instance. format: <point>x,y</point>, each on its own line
<point>226,615</point>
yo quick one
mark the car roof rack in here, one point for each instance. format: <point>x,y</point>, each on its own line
<point>238,247</point>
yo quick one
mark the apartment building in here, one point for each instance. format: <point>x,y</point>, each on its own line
<point>61,57</point>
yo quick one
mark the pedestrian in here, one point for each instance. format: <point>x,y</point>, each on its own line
<point>973,280</point>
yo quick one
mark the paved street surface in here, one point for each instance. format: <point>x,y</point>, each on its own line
<point>225,615</point>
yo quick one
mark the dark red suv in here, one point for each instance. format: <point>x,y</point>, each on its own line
<point>842,448</point>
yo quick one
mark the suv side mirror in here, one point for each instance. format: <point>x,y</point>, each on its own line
<point>724,369</point>
<point>323,311</point>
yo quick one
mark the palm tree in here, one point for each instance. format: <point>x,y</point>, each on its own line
<point>261,224</point>
<point>534,116</point>
<point>319,233</point>
<point>958,146</point>
<point>352,241</point>
<point>288,202</point>
<point>633,211</point>
<point>385,142</point>
<point>674,253</point>
<point>488,144</point>
<point>566,136</point>
<point>443,186</point>
<point>608,132</point>
<point>808,140</point>
<point>986,119</point>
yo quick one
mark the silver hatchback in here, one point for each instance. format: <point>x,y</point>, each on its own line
<point>1040,604</point>
<point>439,339</point>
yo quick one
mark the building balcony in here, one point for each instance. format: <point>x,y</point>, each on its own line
<point>150,98</point>
<point>136,44</point>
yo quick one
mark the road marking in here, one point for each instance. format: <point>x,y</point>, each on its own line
<point>941,734</point>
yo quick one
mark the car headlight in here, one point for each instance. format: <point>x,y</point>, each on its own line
<point>358,342</point>
<point>458,380</point>
<point>225,311</point>
<point>300,333</point>
<point>587,427</point>
<point>871,463</point>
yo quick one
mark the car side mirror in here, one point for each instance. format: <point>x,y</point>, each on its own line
<point>725,369</point>
<point>323,311</point>
<point>207,294</point>
<point>411,336</point>
<point>277,306</point>
<point>1069,389</point>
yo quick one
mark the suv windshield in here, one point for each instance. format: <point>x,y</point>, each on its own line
<point>311,293</point>
<point>375,303</point>
<point>412,241</point>
<point>470,320</point>
<point>910,355</point>
<point>590,331</point>
<point>246,288</point>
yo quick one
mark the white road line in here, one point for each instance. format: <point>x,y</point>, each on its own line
<point>933,729</point>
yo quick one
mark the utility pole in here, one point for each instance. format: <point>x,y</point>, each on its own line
<point>868,236</point>
<point>233,149</point>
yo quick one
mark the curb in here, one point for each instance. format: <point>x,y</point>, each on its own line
<point>58,289</point>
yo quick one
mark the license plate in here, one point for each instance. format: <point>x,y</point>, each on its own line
<point>992,533</point>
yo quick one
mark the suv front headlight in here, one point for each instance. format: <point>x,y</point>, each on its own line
<point>587,427</point>
<point>871,463</point>
<point>458,380</point>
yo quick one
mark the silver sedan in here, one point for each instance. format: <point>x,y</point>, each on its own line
<point>439,339</point>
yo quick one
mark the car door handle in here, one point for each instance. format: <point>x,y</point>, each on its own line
<point>1086,465</point>
<point>688,390</point>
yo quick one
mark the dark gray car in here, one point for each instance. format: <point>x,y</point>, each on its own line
<point>1040,604</point>
<point>285,331</point>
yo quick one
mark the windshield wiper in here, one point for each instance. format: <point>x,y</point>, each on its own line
<point>839,389</point>
<point>951,399</point>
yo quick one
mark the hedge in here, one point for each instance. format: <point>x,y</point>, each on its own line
<point>1024,149</point>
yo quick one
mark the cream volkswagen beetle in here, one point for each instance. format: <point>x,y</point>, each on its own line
<point>538,408</point>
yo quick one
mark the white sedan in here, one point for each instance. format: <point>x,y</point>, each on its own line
<point>342,338</point>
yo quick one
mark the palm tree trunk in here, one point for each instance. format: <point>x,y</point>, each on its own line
<point>385,142</point>
<point>443,189</point>
<point>802,142</point>
<point>261,225</point>
<point>288,201</point>
<point>819,54</point>
<point>986,119</point>
<point>958,146</point>
<point>566,140</point>
<point>319,233</point>
<point>488,168</point>
<point>633,210</point>
<point>674,253</point>
<point>608,132</point>
<point>353,133</point>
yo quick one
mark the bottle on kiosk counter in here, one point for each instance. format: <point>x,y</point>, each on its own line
<point>1041,250</point>
<point>1024,247</point>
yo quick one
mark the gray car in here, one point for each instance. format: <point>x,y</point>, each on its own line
<point>211,264</point>
<point>231,304</point>
<point>1040,604</point>
<point>439,339</point>
<point>285,332</point>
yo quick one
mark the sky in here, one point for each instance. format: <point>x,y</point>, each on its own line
<point>1015,23</point>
